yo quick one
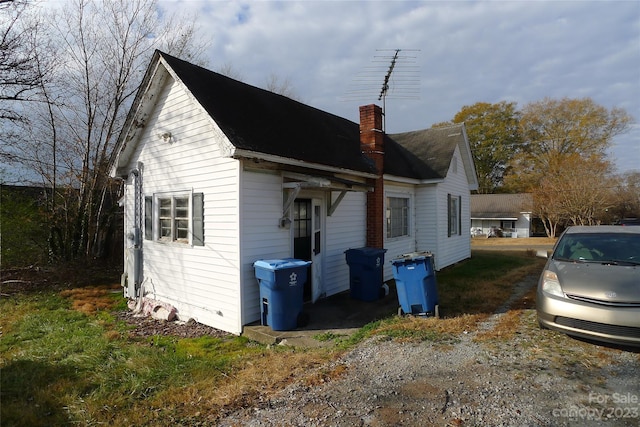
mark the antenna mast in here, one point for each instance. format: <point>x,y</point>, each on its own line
<point>385,89</point>
<point>405,84</point>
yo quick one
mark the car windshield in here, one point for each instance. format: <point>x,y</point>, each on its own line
<point>599,247</point>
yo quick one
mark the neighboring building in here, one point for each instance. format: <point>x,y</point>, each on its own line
<point>510,213</point>
<point>219,174</point>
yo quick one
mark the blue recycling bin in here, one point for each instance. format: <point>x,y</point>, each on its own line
<point>416,283</point>
<point>365,272</point>
<point>281,291</point>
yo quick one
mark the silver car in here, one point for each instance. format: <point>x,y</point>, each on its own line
<point>590,286</point>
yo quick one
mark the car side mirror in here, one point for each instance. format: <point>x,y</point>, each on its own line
<point>543,254</point>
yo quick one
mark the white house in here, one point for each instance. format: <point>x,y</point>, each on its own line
<point>511,213</point>
<point>219,174</point>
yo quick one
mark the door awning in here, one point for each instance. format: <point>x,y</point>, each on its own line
<point>295,182</point>
<point>330,183</point>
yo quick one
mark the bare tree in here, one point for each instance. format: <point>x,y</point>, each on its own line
<point>566,194</point>
<point>227,69</point>
<point>19,80</point>
<point>103,50</point>
<point>626,193</point>
<point>281,86</point>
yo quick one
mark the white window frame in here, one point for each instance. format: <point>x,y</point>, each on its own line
<point>389,214</point>
<point>173,238</point>
<point>454,215</point>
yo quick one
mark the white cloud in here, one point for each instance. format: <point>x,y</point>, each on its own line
<point>468,52</point>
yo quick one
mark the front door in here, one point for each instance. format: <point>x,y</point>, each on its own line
<point>308,241</point>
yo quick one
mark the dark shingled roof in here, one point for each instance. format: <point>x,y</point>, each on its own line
<point>500,205</point>
<point>423,154</point>
<point>258,120</point>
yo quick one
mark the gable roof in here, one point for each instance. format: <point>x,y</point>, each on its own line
<point>427,154</point>
<point>500,206</point>
<point>255,120</point>
<point>258,120</point>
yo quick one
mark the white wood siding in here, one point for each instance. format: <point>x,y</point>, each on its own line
<point>427,221</point>
<point>261,237</point>
<point>345,229</point>
<point>399,245</point>
<point>201,282</point>
<point>450,250</point>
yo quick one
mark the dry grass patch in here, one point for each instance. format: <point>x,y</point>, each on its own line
<point>92,299</point>
<point>411,328</point>
<point>504,329</point>
<point>326,374</point>
<point>211,396</point>
<point>506,241</point>
<point>484,289</point>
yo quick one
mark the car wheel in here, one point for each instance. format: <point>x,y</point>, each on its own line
<point>541,326</point>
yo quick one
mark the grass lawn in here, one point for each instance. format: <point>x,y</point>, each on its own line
<point>66,359</point>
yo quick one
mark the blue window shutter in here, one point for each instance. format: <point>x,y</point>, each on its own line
<point>148,218</point>
<point>198,219</point>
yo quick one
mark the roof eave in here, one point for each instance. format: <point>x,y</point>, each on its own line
<point>135,119</point>
<point>414,181</point>
<point>238,153</point>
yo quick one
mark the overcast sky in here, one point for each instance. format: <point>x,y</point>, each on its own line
<point>454,53</point>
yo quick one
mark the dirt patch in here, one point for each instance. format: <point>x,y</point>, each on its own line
<point>35,279</point>
<point>148,327</point>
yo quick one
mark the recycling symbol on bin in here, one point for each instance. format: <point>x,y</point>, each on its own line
<point>293,279</point>
<point>377,262</point>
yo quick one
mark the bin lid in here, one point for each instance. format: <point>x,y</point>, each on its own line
<point>279,264</point>
<point>412,256</point>
<point>367,251</point>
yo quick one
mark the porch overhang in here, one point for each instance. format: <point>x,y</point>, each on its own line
<point>258,157</point>
<point>295,182</point>
<point>321,182</point>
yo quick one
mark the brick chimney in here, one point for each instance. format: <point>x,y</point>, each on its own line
<point>372,146</point>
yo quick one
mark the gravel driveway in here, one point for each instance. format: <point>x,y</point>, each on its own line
<point>533,378</point>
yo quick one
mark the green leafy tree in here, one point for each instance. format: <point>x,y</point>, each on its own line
<point>493,132</point>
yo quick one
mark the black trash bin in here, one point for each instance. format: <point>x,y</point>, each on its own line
<point>365,272</point>
<point>416,284</point>
<point>281,291</point>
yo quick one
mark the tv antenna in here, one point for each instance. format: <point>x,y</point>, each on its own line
<point>401,78</point>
